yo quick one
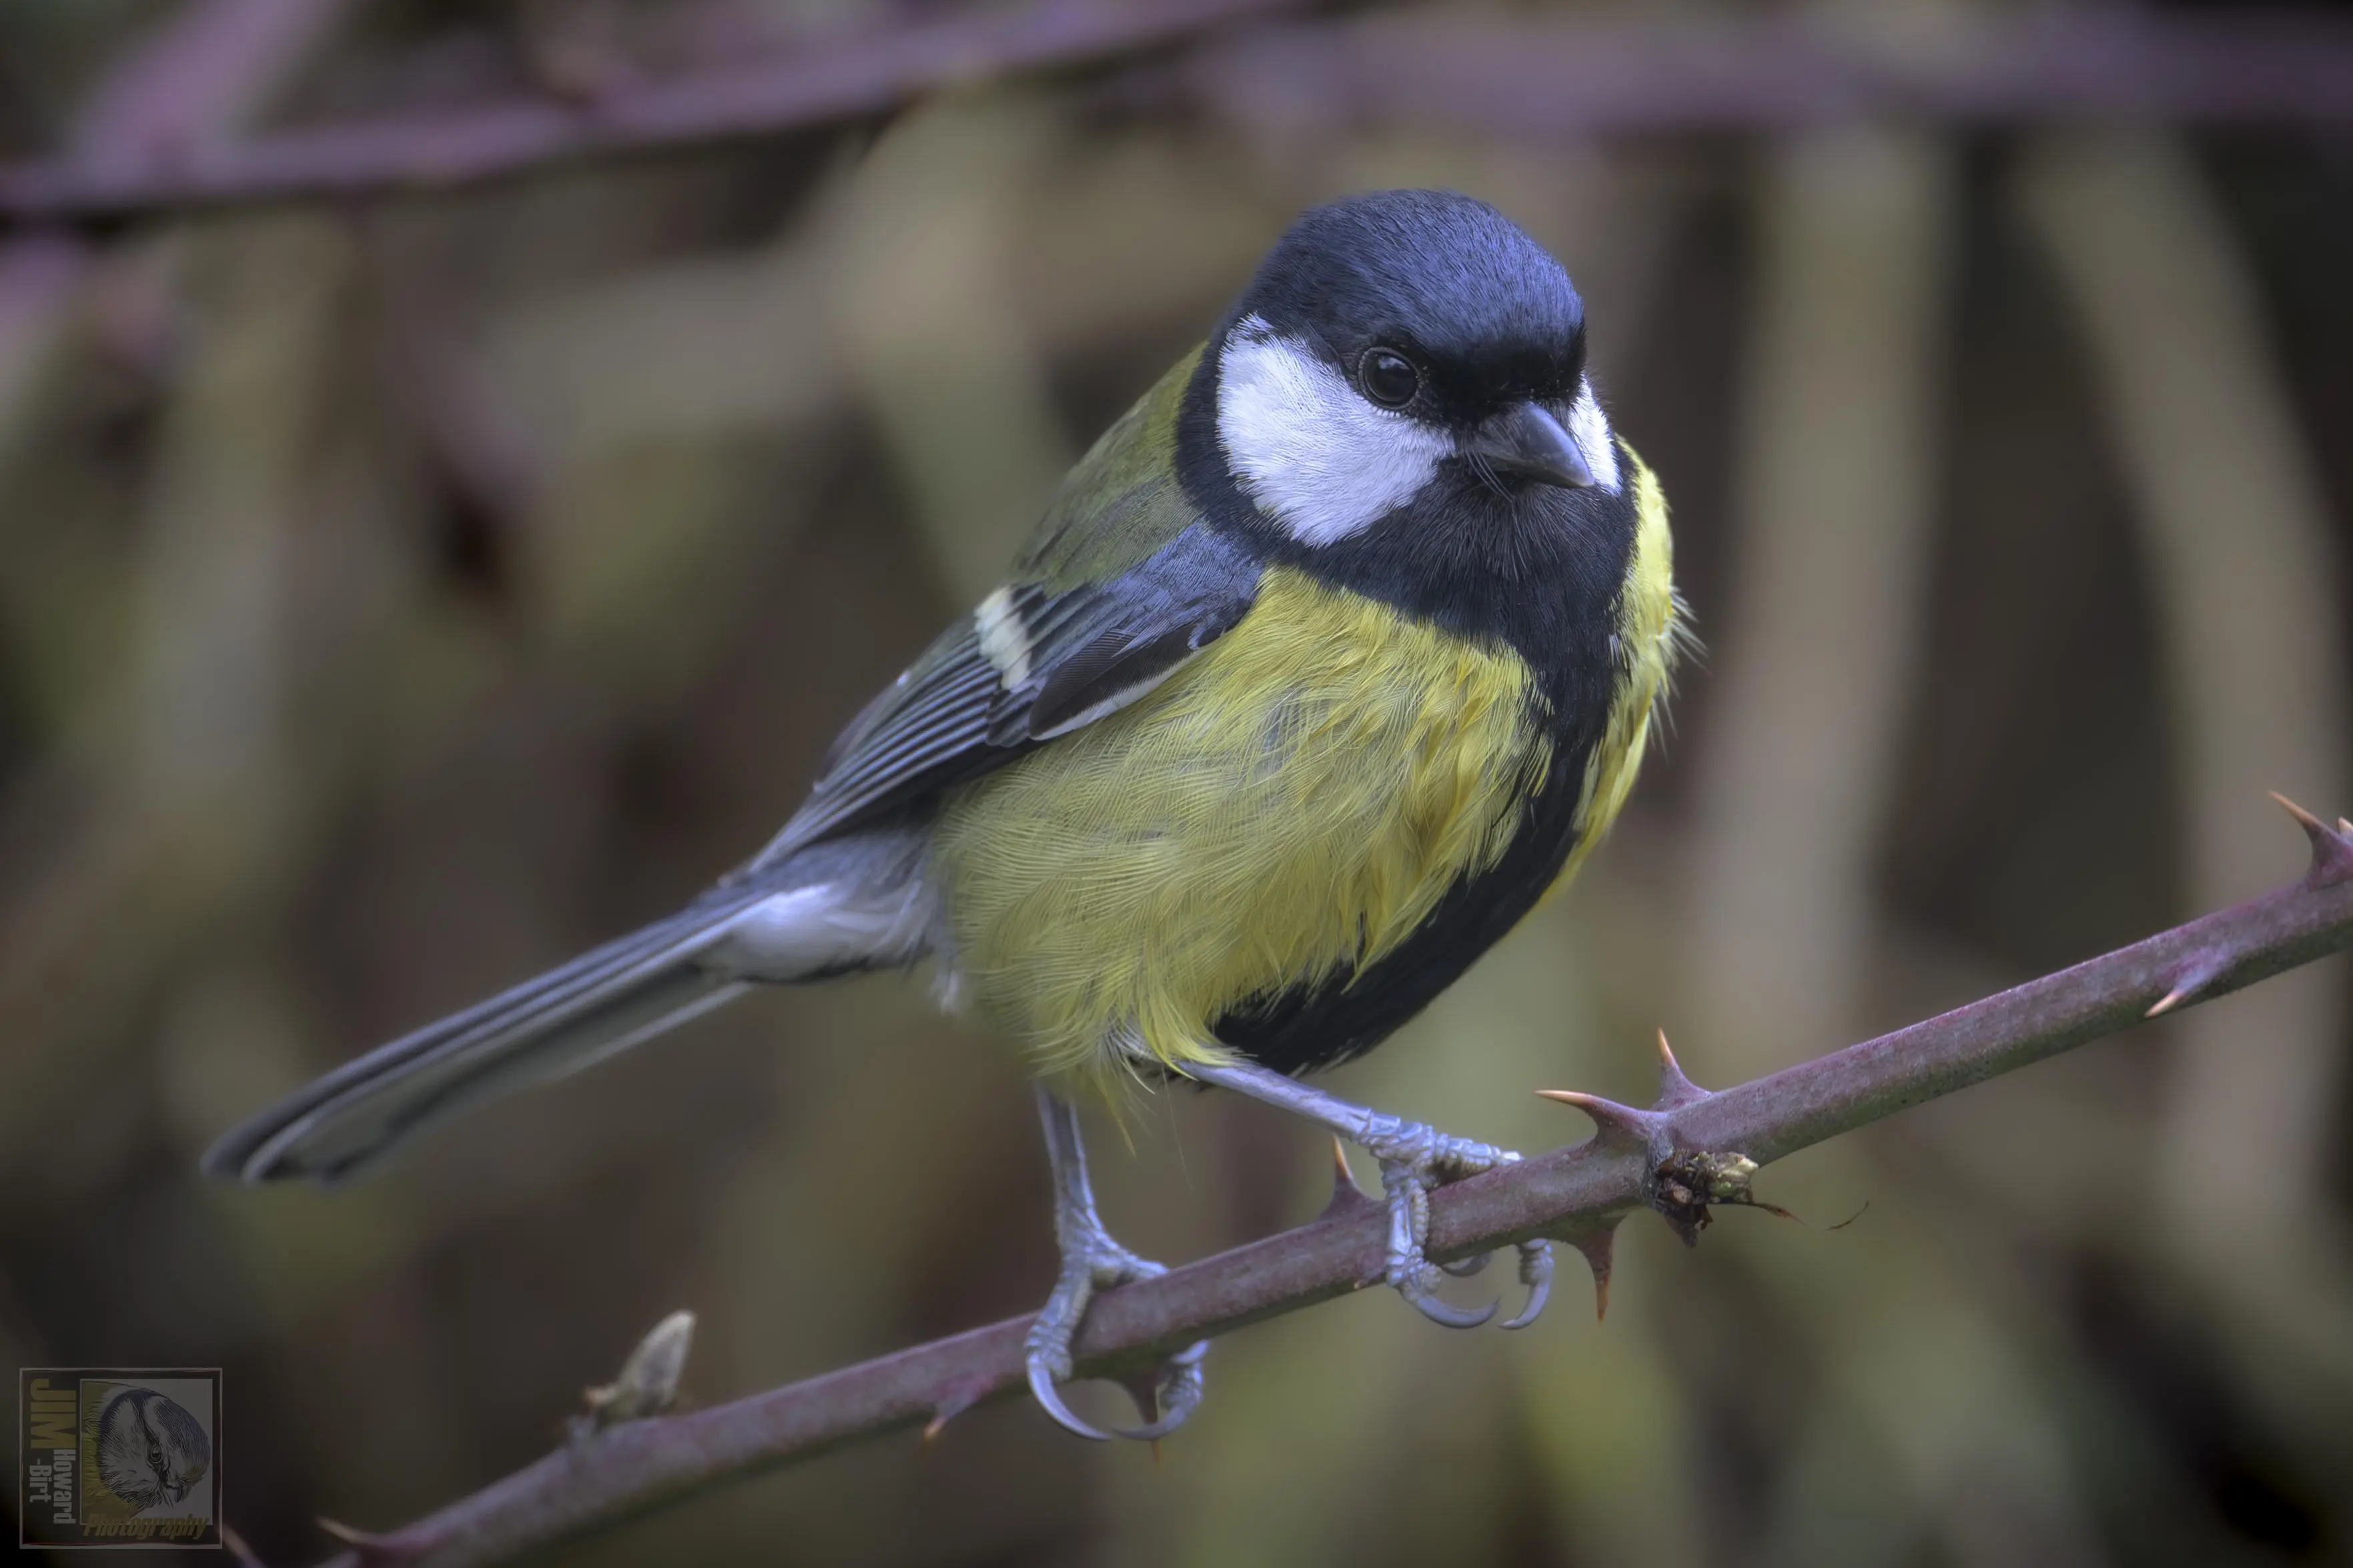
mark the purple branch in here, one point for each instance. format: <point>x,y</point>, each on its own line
<point>1781,72</point>
<point>1542,78</point>
<point>820,85</point>
<point>196,75</point>
<point>1690,1148</point>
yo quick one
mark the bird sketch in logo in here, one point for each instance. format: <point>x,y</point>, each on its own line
<point>151,1451</point>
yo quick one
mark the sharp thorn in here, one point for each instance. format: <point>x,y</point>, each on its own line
<point>1676,1090</point>
<point>2332,854</point>
<point>954,1399</point>
<point>1607,1115</point>
<point>942,1414</point>
<point>2304,819</point>
<point>2198,971</point>
<point>1597,1246</point>
<point>1347,1196</point>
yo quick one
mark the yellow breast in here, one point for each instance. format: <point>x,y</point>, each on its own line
<point>1292,803</point>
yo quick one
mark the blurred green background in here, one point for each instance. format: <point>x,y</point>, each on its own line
<point>397,598</point>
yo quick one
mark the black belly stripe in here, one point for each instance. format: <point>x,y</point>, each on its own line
<point>1305,1028</point>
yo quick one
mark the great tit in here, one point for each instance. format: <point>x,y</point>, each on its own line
<point>1334,657</point>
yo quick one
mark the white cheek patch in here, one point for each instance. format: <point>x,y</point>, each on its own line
<point>1308,448</point>
<point>1591,431</point>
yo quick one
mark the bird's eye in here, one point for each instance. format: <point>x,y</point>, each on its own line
<point>1388,377</point>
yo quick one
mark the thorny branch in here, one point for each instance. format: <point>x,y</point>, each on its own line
<point>1690,1151</point>
<point>1544,78</point>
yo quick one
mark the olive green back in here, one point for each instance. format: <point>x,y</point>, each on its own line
<point>1120,502</point>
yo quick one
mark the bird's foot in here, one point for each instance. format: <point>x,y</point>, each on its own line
<point>1416,1159</point>
<point>1092,1261</point>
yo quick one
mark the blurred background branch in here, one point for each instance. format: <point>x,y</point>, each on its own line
<point>208,71</point>
<point>1789,70</point>
<point>1758,74</point>
<point>855,77</point>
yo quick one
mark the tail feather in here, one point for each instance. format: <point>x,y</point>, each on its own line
<point>602,1002</point>
<point>846,904</point>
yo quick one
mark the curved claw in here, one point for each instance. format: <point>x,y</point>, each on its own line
<point>1416,1289</point>
<point>1153,1431</point>
<point>1041,1387</point>
<point>1536,1273</point>
<point>1463,1268</point>
<point>1179,1392</point>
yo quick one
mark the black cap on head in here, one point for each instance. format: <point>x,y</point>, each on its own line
<point>1483,310</point>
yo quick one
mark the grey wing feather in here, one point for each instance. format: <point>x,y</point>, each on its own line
<point>1086,651</point>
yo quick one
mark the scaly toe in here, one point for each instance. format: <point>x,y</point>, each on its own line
<point>1102,1265</point>
<point>1415,1160</point>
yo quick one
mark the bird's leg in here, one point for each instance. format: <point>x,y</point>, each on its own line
<point>1092,1261</point>
<point>1415,1159</point>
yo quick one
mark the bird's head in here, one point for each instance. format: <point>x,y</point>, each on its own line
<point>151,1451</point>
<point>1397,349</point>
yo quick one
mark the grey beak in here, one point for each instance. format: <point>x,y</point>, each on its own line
<point>1527,442</point>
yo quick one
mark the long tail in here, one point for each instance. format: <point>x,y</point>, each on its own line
<point>604,1001</point>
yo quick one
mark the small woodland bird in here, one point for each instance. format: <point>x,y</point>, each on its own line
<point>1335,654</point>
